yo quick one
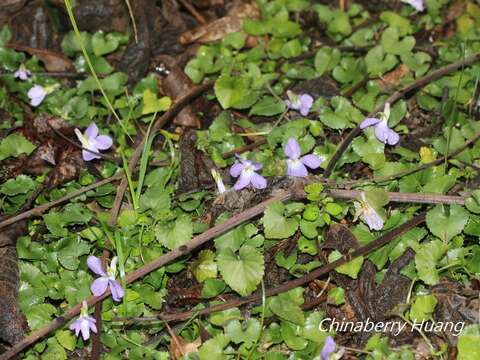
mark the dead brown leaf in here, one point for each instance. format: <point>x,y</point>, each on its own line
<point>179,347</point>
<point>218,29</point>
<point>392,79</point>
<point>53,61</point>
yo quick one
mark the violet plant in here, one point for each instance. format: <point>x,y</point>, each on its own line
<point>22,73</point>
<point>367,213</point>
<point>84,323</point>
<point>382,132</point>
<point>296,165</point>
<point>299,102</point>
<point>246,171</point>
<point>107,278</point>
<point>92,141</point>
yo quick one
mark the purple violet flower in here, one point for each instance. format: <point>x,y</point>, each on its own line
<point>417,4</point>
<point>84,323</point>
<point>106,279</point>
<point>296,165</point>
<point>92,141</point>
<point>36,94</point>
<point>301,102</point>
<point>382,131</point>
<point>328,349</point>
<point>246,169</point>
<point>22,73</point>
<point>367,213</point>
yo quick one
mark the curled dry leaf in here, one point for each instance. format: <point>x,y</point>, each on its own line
<point>218,29</point>
<point>179,347</point>
<point>53,61</point>
<point>392,79</point>
<point>176,85</point>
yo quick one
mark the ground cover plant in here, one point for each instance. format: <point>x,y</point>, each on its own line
<point>210,179</point>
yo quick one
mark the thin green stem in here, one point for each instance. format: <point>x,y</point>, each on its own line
<point>69,8</point>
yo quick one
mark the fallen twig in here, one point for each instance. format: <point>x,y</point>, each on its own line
<point>39,210</point>
<point>395,97</point>
<point>402,197</point>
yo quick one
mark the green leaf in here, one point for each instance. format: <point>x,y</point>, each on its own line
<point>248,333</point>
<point>426,260</point>
<point>472,203</point>
<point>267,106</point>
<point>392,45</point>
<point>151,104</point>
<point>14,145</point>
<point>352,268</point>
<point>468,341</point>
<point>378,62</point>
<point>235,40</point>
<point>242,271</point>
<point>291,48</point>
<point>104,43</point>
<point>213,349</point>
<point>69,256</point>
<point>402,24</point>
<point>212,288</point>
<point>155,199</point>
<point>423,308</point>
<point>54,351</point>
<point>277,226</point>
<point>113,84</point>
<point>205,267</point>
<point>292,335</point>
<point>39,315</point>
<point>447,224</point>
<point>175,233</point>
<point>326,59</point>
<point>67,339</point>
<point>287,306</point>
<point>311,329</point>
<point>230,90</point>
<point>22,184</point>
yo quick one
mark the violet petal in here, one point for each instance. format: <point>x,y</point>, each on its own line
<point>328,348</point>
<point>381,131</point>
<point>312,161</point>
<point>369,122</point>
<point>258,181</point>
<point>95,264</point>
<point>296,168</point>
<point>236,169</point>
<point>103,142</point>
<point>243,180</point>
<point>292,149</point>
<point>85,329</point>
<point>393,138</point>
<point>116,289</point>
<point>92,131</point>
<point>99,286</point>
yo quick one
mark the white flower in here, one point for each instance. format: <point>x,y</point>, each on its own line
<point>367,214</point>
<point>218,179</point>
